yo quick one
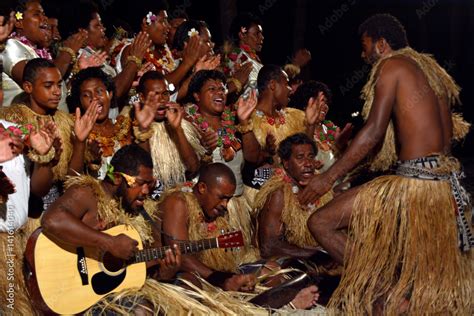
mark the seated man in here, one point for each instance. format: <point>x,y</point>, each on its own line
<point>282,229</point>
<point>198,212</point>
<point>90,206</point>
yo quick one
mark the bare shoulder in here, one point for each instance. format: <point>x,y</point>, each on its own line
<point>275,201</point>
<point>78,196</point>
<point>174,203</point>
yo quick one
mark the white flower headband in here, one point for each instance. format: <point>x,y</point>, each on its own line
<point>192,32</point>
<point>243,29</point>
<point>151,18</point>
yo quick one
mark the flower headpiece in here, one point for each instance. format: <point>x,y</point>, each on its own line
<point>192,32</point>
<point>243,29</point>
<point>151,18</point>
<point>18,15</point>
<point>111,175</point>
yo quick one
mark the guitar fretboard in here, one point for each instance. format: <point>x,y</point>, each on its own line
<point>185,247</point>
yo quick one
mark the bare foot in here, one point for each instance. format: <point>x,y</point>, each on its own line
<point>306,298</point>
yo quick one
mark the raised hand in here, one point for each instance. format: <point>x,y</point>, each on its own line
<point>95,60</point>
<point>146,115</point>
<point>140,45</point>
<point>342,137</point>
<point>245,107</point>
<point>83,125</point>
<point>10,146</point>
<point>174,114</point>
<point>242,72</point>
<point>77,40</point>
<point>192,51</point>
<point>314,108</point>
<point>209,139</point>
<point>42,139</point>
<point>148,66</point>
<point>207,62</point>
<point>302,57</point>
<point>5,30</point>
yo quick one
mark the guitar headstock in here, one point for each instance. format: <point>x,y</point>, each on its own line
<point>231,240</point>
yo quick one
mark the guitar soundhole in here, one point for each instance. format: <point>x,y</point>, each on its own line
<point>112,263</point>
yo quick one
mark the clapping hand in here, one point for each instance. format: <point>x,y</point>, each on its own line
<point>83,124</point>
<point>146,115</point>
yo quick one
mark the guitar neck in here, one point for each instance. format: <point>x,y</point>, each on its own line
<point>185,248</point>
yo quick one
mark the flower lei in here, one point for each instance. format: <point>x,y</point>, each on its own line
<point>19,131</point>
<point>226,134</point>
<point>42,52</point>
<point>121,135</point>
<point>280,120</point>
<point>251,52</point>
<point>327,134</point>
<point>165,63</point>
<point>294,188</point>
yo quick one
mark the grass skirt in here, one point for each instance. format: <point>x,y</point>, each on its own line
<point>403,243</point>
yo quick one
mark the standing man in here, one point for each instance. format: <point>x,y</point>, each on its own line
<point>409,244</point>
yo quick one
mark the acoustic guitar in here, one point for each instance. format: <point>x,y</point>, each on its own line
<point>66,279</point>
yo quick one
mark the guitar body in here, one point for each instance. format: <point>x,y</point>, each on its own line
<point>72,279</point>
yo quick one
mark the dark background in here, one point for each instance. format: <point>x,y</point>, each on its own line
<point>329,30</point>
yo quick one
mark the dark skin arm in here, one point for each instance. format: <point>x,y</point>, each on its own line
<point>66,220</point>
<point>188,156</point>
<point>175,216</point>
<point>271,231</point>
<point>123,80</point>
<point>364,142</point>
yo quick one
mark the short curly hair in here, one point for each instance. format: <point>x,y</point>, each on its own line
<point>308,90</point>
<point>199,79</point>
<point>74,99</point>
<point>181,36</point>
<point>284,149</point>
<point>246,20</point>
<point>385,26</point>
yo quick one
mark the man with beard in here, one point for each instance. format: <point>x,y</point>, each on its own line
<point>409,246</point>
<point>173,142</point>
<point>89,206</point>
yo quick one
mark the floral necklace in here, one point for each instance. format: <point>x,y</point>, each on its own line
<point>327,133</point>
<point>121,133</point>
<point>226,140</point>
<point>277,121</point>
<point>164,62</point>
<point>42,52</point>
<point>294,188</point>
<point>251,52</point>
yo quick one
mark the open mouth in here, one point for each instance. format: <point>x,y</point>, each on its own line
<point>307,173</point>
<point>219,101</point>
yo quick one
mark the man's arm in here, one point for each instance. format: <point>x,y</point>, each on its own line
<point>270,231</point>
<point>368,137</point>
<point>175,216</point>
<point>63,220</point>
<point>190,159</point>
